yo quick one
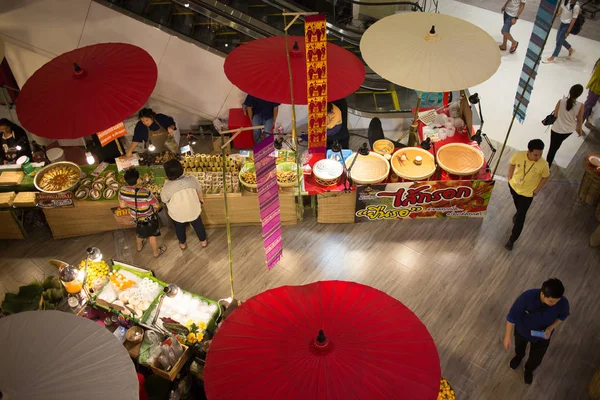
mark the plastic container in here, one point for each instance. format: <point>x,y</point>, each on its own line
<point>56,154</point>
<point>442,134</point>
<point>25,164</point>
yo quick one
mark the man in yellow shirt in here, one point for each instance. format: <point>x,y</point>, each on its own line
<point>528,172</point>
<point>593,93</point>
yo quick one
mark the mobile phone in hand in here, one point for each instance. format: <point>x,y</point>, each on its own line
<point>538,334</point>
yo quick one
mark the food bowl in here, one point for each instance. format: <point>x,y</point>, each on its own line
<point>287,174</point>
<point>57,177</point>
<point>327,172</point>
<point>368,170</point>
<point>383,146</point>
<point>594,160</point>
<point>407,169</point>
<point>247,172</point>
<point>134,334</point>
<point>460,159</point>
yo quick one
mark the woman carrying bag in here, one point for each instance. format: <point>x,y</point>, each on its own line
<point>183,197</point>
<point>569,118</point>
<point>143,207</point>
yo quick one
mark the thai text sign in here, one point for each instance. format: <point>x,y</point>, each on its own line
<point>441,199</point>
<point>112,133</point>
<point>315,39</point>
<point>268,199</point>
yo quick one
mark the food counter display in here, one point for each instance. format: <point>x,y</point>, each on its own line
<point>447,177</point>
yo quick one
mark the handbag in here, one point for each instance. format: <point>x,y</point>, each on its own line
<point>147,227</point>
<point>549,120</point>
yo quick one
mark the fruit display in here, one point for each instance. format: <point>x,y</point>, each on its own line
<point>287,174</point>
<point>45,295</point>
<point>446,391</point>
<point>212,182</point>
<point>97,274</point>
<point>57,177</point>
<point>183,309</point>
<point>153,158</point>
<point>120,281</point>
<point>211,163</point>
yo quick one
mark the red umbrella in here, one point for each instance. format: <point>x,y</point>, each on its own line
<point>260,69</point>
<point>330,340</point>
<point>86,90</point>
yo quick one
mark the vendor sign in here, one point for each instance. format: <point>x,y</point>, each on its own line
<point>112,133</point>
<point>315,37</point>
<point>53,200</point>
<point>268,200</point>
<point>453,199</point>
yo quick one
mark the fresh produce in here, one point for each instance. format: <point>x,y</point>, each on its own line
<point>446,391</point>
<point>249,177</point>
<point>286,176</point>
<point>43,295</point>
<point>97,274</point>
<point>120,281</point>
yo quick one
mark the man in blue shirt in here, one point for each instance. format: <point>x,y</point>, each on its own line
<point>261,112</point>
<point>540,310</point>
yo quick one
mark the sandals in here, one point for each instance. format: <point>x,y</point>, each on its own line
<point>514,48</point>
<point>182,246</point>
<point>161,251</point>
<point>204,243</point>
<point>143,244</point>
<point>502,48</point>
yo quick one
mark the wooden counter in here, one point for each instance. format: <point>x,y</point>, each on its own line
<point>243,210</point>
<point>85,218</point>
<point>336,207</point>
<point>9,227</point>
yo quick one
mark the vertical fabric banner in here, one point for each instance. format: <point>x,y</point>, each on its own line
<point>315,38</point>
<point>541,30</point>
<point>268,199</point>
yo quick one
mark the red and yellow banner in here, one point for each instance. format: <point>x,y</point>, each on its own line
<point>428,199</point>
<point>315,38</point>
<point>112,133</point>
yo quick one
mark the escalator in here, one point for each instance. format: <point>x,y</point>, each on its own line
<point>220,26</point>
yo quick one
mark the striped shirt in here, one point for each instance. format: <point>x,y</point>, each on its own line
<point>145,201</point>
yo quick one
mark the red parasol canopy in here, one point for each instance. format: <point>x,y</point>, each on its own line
<point>86,90</point>
<point>372,347</point>
<point>260,69</point>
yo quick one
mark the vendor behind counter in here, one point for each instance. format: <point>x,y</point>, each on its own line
<point>157,128</point>
<point>13,142</point>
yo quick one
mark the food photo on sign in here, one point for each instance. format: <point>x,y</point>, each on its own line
<point>439,199</point>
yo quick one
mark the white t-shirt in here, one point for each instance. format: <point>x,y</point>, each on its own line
<point>181,198</point>
<point>566,121</point>
<point>567,15</point>
<point>512,7</point>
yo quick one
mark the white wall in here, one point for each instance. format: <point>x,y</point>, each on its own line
<point>191,83</point>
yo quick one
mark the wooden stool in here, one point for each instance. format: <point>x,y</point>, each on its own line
<point>589,189</point>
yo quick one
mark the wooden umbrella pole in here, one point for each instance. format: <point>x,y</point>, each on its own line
<point>413,138</point>
<point>224,158</point>
<point>512,121</point>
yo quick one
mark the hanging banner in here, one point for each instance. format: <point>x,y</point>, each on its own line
<point>315,37</point>
<point>435,199</point>
<point>268,199</point>
<point>112,133</point>
<point>539,35</point>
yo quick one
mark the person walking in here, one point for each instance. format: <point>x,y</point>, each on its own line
<point>143,207</point>
<point>568,12</point>
<point>183,197</point>
<point>512,10</point>
<point>528,173</point>
<point>533,319</point>
<point>261,112</point>
<point>593,87</point>
<point>569,118</point>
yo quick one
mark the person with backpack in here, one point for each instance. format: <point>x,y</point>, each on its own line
<point>569,118</point>
<point>569,12</point>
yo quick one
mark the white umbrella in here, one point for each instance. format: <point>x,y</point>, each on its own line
<point>53,355</point>
<point>453,55</point>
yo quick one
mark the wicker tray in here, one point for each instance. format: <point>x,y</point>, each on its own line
<point>407,169</point>
<point>368,170</point>
<point>460,159</point>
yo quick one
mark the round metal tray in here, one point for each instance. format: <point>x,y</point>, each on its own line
<point>43,171</point>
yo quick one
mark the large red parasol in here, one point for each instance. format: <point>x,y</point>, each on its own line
<point>260,69</point>
<point>86,90</point>
<point>330,340</point>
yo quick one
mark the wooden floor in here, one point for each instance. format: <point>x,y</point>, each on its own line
<point>455,275</point>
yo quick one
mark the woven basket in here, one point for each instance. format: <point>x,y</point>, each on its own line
<point>589,189</point>
<point>594,386</point>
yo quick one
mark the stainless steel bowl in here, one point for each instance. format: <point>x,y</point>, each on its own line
<point>41,172</point>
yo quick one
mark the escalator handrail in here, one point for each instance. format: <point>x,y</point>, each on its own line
<point>391,3</point>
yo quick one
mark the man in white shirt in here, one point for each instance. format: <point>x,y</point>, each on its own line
<point>512,10</point>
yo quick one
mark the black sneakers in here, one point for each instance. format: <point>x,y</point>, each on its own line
<point>514,363</point>
<point>509,245</point>
<point>528,377</point>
